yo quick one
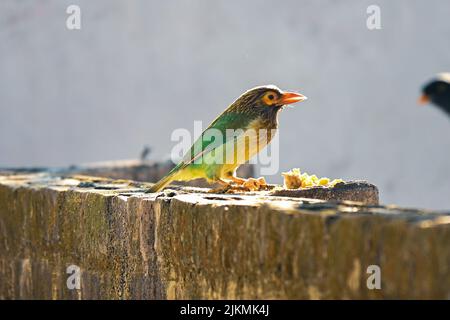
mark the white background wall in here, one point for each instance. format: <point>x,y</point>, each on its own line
<point>139,69</point>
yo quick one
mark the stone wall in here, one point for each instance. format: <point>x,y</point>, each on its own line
<point>186,243</point>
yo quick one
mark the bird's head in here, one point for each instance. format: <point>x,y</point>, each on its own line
<point>437,91</point>
<point>268,97</point>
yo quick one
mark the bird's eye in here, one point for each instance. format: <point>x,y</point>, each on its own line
<point>270,98</point>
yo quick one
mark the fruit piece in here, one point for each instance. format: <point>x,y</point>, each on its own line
<point>295,179</point>
<point>292,179</point>
<point>323,181</point>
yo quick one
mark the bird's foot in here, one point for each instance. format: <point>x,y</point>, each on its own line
<point>253,184</point>
<point>239,184</point>
<point>250,184</point>
<point>237,180</point>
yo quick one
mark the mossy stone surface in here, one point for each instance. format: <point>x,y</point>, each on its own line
<point>184,244</point>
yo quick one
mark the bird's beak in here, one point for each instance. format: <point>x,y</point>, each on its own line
<point>291,97</point>
<point>423,99</point>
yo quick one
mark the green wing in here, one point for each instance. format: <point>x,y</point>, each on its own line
<point>228,120</point>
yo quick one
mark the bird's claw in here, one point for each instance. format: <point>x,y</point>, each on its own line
<point>243,185</point>
<point>253,184</point>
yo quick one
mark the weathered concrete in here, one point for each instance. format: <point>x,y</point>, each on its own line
<point>146,171</point>
<point>137,170</point>
<point>179,244</point>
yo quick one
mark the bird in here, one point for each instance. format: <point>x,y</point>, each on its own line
<point>255,109</point>
<point>437,91</point>
<point>145,153</point>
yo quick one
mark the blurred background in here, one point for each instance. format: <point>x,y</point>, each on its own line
<point>139,69</point>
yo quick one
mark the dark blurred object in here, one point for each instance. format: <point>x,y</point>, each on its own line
<point>437,91</point>
<point>145,153</point>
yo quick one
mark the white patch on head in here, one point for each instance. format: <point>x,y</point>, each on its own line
<point>445,76</point>
<point>269,86</point>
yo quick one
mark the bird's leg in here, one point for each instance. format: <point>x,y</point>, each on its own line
<point>251,184</point>
<point>237,180</point>
<point>255,184</point>
<point>223,182</point>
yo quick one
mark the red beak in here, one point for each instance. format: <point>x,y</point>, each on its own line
<point>423,99</point>
<point>291,97</point>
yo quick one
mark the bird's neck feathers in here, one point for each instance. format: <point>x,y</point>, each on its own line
<point>269,117</point>
<point>266,115</point>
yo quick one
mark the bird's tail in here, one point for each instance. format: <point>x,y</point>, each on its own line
<point>163,182</point>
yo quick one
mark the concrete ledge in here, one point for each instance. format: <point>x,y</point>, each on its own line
<point>180,244</point>
<point>139,170</point>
